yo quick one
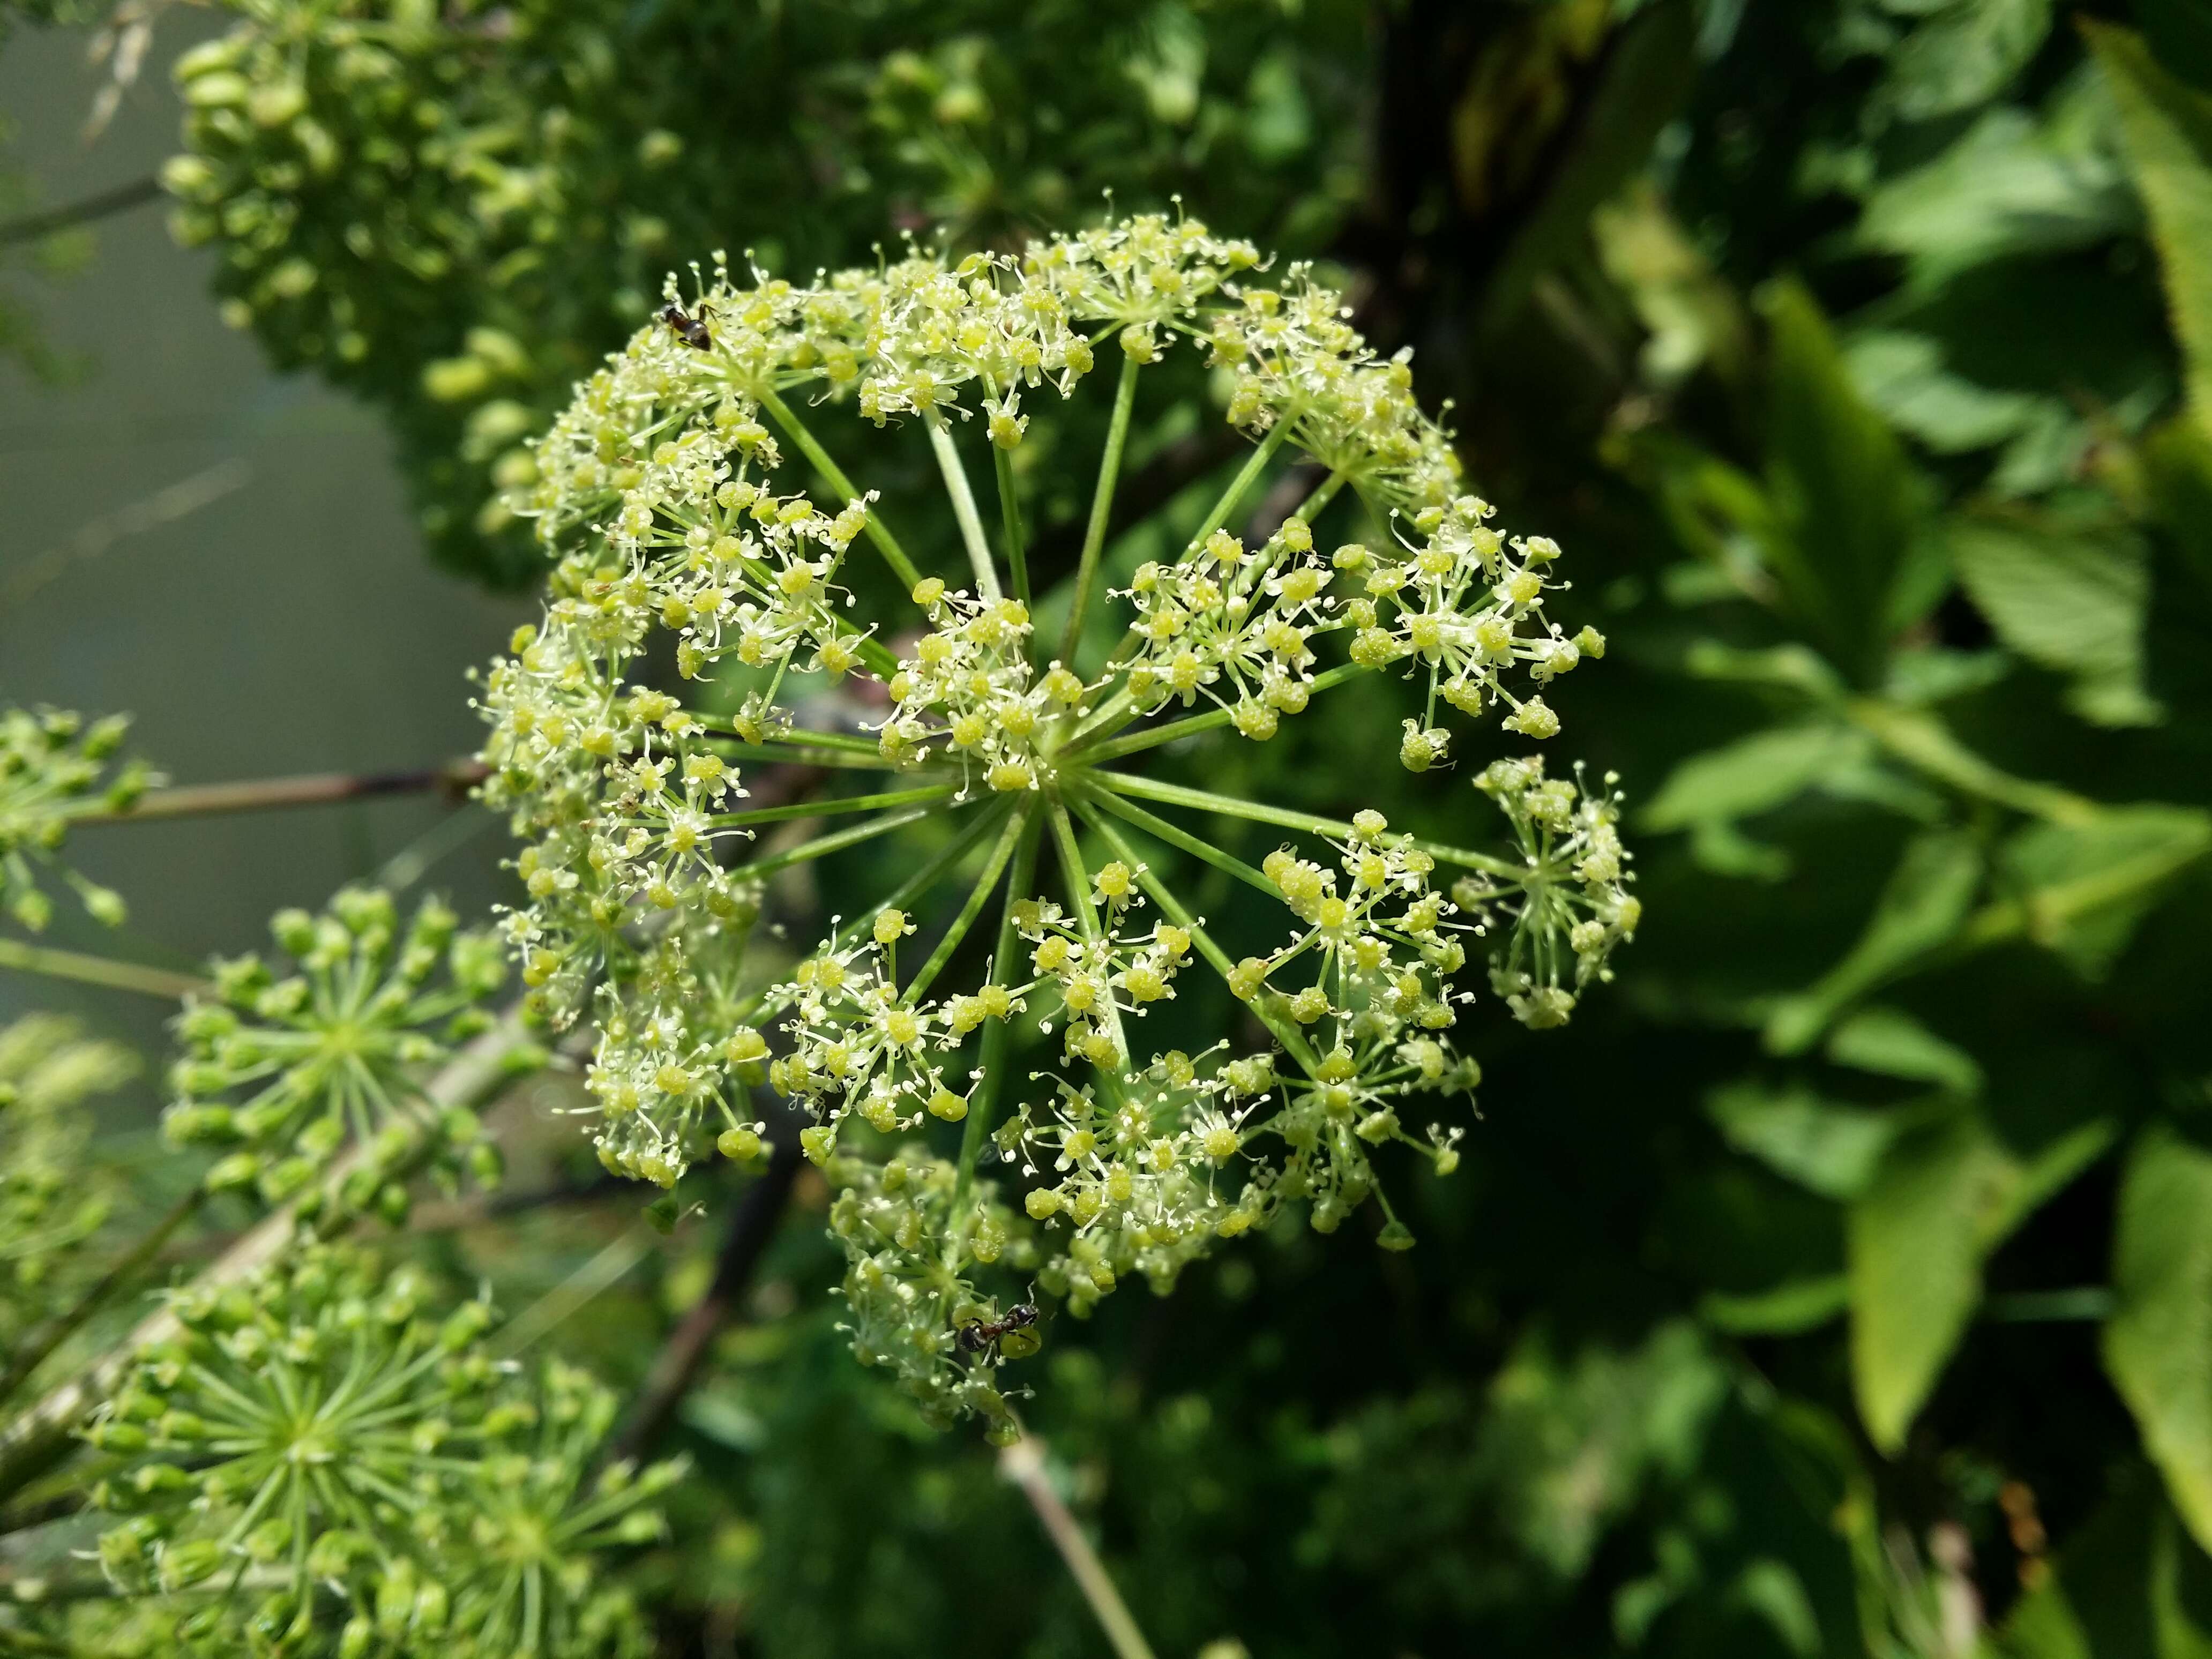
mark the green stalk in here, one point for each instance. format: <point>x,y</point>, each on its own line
<point>1096,753</point>
<point>886,544</point>
<point>964,508</point>
<point>832,806</point>
<point>794,755</point>
<point>1102,506</point>
<point>1160,829</point>
<point>1010,512</point>
<point>1024,1464</point>
<point>985,883</point>
<point>99,971</point>
<point>998,1036</point>
<point>1206,800</point>
<point>823,845</point>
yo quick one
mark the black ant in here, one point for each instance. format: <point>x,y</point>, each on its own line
<point>1011,1335</point>
<point>692,330</point>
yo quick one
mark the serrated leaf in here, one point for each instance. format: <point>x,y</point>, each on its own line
<point>2072,602</point>
<point>1920,910</point>
<point>1751,776</point>
<point>2006,188</point>
<point>1914,1243</point>
<point>2082,888</point>
<point>1903,374</point>
<point>1890,1042</point>
<point>1830,1148</point>
<point>1965,54</point>
<point>1943,1199</point>
<point>2167,129</point>
<point>1847,503</point>
<point>2176,457</point>
<point>2158,1344</point>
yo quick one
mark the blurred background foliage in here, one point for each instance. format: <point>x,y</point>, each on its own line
<point>1850,1290</point>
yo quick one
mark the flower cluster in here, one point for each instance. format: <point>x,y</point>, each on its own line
<point>55,768</point>
<point>1572,888</point>
<point>318,1464</point>
<point>287,1070</point>
<point>49,1207</point>
<point>1008,769</point>
<point>904,1221</point>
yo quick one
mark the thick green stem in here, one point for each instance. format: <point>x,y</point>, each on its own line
<point>59,1329</point>
<point>1102,509</point>
<point>985,885</point>
<point>1023,1463</point>
<point>998,1036</point>
<point>97,970</point>
<point>1009,514</point>
<point>964,508</point>
<point>886,544</point>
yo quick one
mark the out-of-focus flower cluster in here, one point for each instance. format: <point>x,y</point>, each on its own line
<point>317,1463</point>
<point>282,1070</point>
<point>395,198</point>
<point>52,1200</point>
<point>55,768</point>
<point>677,537</point>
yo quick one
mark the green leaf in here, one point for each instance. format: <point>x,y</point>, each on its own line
<point>1920,910</point>
<point>1751,776</point>
<point>2167,131</point>
<point>2008,187</point>
<point>2158,1344</point>
<point>2177,458</point>
<point>1964,56</point>
<point>1832,1149</point>
<point>1915,1241</point>
<point>1847,503</point>
<point>2082,888</point>
<point>1802,1304</point>
<point>2074,603</point>
<point>1903,374</point>
<point>1890,1042</point>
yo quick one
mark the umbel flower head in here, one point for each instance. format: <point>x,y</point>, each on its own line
<point>288,1067</point>
<point>54,768</point>
<point>722,589</point>
<point>320,1465</point>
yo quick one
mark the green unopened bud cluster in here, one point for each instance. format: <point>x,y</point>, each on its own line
<point>278,1071</point>
<point>55,767</point>
<point>320,1462</point>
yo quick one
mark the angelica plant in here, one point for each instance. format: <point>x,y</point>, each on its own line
<point>1023,762</point>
